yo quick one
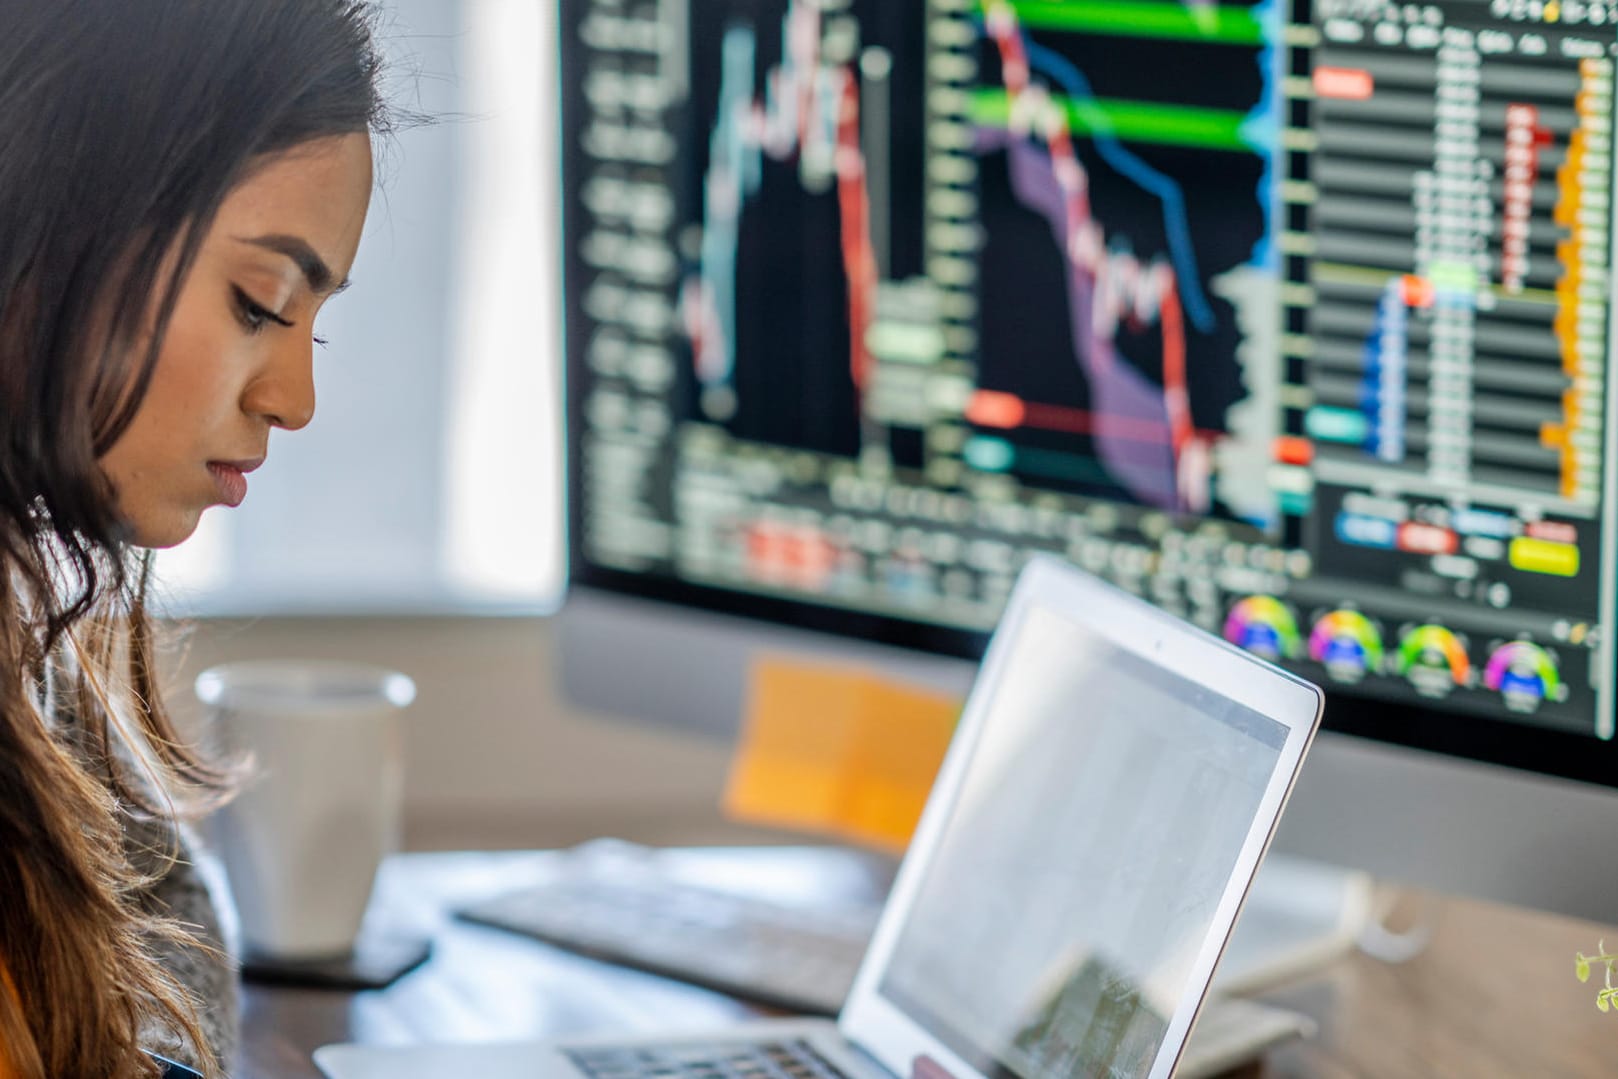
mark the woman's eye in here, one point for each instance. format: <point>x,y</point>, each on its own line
<point>254,315</point>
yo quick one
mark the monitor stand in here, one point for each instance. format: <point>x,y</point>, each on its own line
<point>1300,916</point>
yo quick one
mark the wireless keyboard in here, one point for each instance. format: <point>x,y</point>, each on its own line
<point>628,910</point>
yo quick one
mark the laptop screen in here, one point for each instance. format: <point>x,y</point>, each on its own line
<point>1097,826</point>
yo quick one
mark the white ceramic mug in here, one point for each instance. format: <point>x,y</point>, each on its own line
<point>321,807</point>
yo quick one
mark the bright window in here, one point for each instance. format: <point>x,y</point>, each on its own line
<point>430,479</point>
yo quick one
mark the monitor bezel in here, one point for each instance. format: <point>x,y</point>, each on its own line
<point>1509,743</point>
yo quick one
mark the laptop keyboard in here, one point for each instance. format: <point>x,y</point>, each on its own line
<point>793,1059</point>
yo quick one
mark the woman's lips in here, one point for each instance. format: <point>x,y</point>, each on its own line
<point>230,477</point>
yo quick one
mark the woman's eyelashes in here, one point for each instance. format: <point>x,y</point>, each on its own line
<point>255,316</point>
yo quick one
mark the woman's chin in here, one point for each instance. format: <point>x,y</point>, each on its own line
<point>169,531</point>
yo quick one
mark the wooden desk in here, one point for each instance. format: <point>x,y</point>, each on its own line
<point>1494,995</point>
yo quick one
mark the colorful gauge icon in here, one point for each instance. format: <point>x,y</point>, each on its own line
<point>1434,659</point>
<point>1525,674</point>
<point>1264,626</point>
<point>1348,644</point>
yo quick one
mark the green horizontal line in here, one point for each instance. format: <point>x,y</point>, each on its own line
<point>1347,274</point>
<point>1137,121</point>
<point>1216,24</point>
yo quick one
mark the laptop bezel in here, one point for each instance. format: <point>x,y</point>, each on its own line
<point>882,1028</point>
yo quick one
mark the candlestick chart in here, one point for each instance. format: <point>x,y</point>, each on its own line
<point>1126,240</point>
<point>1103,360</point>
<point>780,290</point>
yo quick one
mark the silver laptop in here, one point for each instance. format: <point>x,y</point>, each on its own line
<point>1086,849</point>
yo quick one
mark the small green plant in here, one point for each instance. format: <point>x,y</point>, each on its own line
<point>1607,999</point>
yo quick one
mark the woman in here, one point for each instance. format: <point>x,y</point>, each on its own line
<point>182,185</point>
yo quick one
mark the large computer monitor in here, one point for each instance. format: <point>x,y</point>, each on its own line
<point>1295,319</point>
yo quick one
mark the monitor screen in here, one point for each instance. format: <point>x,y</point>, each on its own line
<point>1061,913</point>
<point>1293,319</point>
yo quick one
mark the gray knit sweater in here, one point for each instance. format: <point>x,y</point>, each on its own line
<point>165,853</point>
<point>181,893</point>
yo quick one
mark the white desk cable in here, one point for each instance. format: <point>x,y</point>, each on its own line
<point>1395,946</point>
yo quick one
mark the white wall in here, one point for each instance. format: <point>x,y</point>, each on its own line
<point>493,757</point>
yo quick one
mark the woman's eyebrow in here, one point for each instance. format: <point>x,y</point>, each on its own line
<point>296,248</point>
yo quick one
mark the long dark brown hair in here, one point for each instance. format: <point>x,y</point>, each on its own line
<point>123,126</point>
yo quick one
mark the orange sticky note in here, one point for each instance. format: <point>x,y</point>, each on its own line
<point>900,743</point>
<point>837,751</point>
